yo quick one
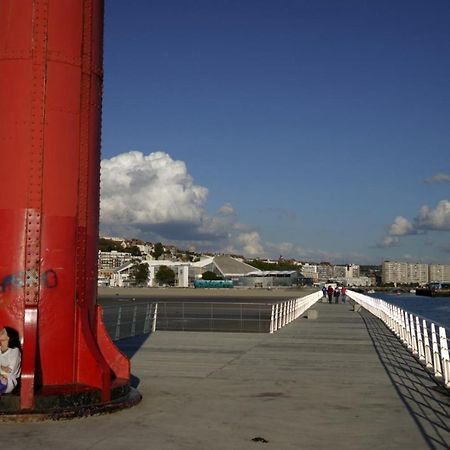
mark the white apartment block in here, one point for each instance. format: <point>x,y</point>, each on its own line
<point>112,260</point>
<point>325,272</point>
<point>417,273</point>
<point>403,273</point>
<point>309,271</point>
<point>394,272</point>
<point>347,271</point>
<point>439,272</point>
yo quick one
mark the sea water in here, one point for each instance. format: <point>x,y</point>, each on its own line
<point>436,309</point>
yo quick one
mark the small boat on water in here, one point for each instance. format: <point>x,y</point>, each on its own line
<point>435,289</point>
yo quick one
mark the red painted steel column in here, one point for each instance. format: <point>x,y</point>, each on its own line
<point>50,91</point>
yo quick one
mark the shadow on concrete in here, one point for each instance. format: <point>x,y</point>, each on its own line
<point>427,401</point>
<point>129,347</point>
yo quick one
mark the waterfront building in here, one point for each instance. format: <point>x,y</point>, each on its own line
<point>346,271</point>
<point>325,271</point>
<point>439,272</point>
<point>417,273</point>
<point>394,272</point>
<point>340,272</point>
<point>404,273</point>
<point>310,271</point>
<point>113,259</point>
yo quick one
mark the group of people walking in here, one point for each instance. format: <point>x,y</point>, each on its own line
<point>338,293</point>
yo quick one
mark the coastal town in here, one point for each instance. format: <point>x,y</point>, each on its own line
<point>123,262</point>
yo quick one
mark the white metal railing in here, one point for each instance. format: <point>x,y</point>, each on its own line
<point>130,320</point>
<point>123,321</point>
<point>287,311</point>
<point>426,340</point>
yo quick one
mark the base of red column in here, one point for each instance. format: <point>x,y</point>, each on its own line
<point>68,402</point>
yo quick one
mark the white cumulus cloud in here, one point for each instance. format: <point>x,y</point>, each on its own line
<point>401,227</point>
<point>434,219</point>
<point>250,243</point>
<point>227,210</point>
<point>388,241</point>
<point>154,197</point>
<point>138,189</point>
<point>438,178</point>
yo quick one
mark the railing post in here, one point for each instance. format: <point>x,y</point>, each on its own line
<point>272,319</point>
<point>147,319</point>
<point>407,330</point>
<point>133,321</point>
<point>413,335</point>
<point>420,347</point>
<point>398,322</point>
<point>436,357</point>
<point>444,356</point>
<point>426,338</point>
<point>119,318</point>
<point>155,317</point>
<point>277,313</point>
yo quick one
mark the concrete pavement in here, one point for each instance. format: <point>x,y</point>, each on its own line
<point>339,382</point>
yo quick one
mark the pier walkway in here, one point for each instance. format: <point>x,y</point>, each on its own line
<point>341,381</point>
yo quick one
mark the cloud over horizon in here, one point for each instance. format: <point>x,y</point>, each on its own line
<point>401,227</point>
<point>438,178</point>
<point>426,219</point>
<point>154,197</point>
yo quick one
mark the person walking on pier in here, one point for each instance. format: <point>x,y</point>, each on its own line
<point>324,291</point>
<point>330,293</point>
<point>343,293</point>
<point>336,294</point>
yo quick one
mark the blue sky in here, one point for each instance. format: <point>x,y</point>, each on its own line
<point>317,130</point>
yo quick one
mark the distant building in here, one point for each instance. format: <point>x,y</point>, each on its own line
<point>404,273</point>
<point>325,271</point>
<point>417,273</point>
<point>439,272</point>
<point>112,260</point>
<point>346,271</point>
<point>226,267</point>
<point>310,271</point>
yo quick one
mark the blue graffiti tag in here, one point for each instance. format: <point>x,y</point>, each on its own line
<point>48,279</point>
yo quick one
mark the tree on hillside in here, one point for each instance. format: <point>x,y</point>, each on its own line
<point>139,273</point>
<point>165,275</point>
<point>134,250</point>
<point>108,245</point>
<point>158,250</point>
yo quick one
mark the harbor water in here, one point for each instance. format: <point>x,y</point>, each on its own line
<point>436,309</point>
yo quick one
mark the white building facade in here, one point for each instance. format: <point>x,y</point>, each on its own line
<point>439,272</point>
<point>413,273</point>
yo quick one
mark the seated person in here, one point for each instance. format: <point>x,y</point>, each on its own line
<point>10,359</point>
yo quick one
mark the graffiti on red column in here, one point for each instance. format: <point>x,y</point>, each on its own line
<point>48,279</point>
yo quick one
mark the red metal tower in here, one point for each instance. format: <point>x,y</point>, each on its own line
<point>50,91</point>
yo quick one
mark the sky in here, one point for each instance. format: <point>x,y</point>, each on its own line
<point>315,130</point>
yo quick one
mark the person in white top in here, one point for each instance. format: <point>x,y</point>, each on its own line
<point>10,359</point>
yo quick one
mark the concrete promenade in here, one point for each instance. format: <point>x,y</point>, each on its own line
<point>339,382</point>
